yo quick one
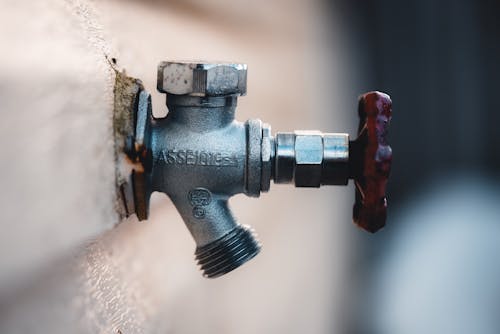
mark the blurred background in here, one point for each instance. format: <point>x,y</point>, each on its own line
<point>68,264</point>
<point>434,268</point>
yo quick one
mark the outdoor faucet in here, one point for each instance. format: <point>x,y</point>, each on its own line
<point>200,156</point>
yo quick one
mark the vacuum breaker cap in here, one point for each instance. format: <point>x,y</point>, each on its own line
<point>202,79</point>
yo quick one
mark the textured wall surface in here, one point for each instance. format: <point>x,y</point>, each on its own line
<point>57,170</point>
<point>59,273</point>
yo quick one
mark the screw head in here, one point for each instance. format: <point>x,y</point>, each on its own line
<point>202,78</point>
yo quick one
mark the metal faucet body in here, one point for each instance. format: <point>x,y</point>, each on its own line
<point>200,159</point>
<point>200,156</point>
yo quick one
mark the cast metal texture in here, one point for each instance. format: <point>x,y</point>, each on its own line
<point>200,156</point>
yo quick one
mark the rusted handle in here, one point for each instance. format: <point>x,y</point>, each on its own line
<point>370,158</point>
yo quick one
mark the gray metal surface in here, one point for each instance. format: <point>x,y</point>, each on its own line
<point>312,158</point>
<point>199,161</point>
<point>200,156</point>
<point>253,164</point>
<point>267,156</point>
<point>202,79</point>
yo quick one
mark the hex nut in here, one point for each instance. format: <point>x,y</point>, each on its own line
<point>202,79</point>
<point>308,158</point>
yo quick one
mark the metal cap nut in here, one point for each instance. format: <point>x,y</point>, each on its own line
<point>202,79</point>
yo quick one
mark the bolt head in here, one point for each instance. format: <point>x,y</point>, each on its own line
<point>202,78</point>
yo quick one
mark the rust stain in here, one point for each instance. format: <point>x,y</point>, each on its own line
<point>126,94</point>
<point>371,161</point>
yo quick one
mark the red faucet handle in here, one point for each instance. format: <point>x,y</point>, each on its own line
<point>370,161</point>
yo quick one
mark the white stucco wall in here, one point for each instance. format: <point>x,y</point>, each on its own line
<point>57,166</point>
<point>59,272</point>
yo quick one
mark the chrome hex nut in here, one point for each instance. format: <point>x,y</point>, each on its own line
<point>308,158</point>
<point>202,79</point>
